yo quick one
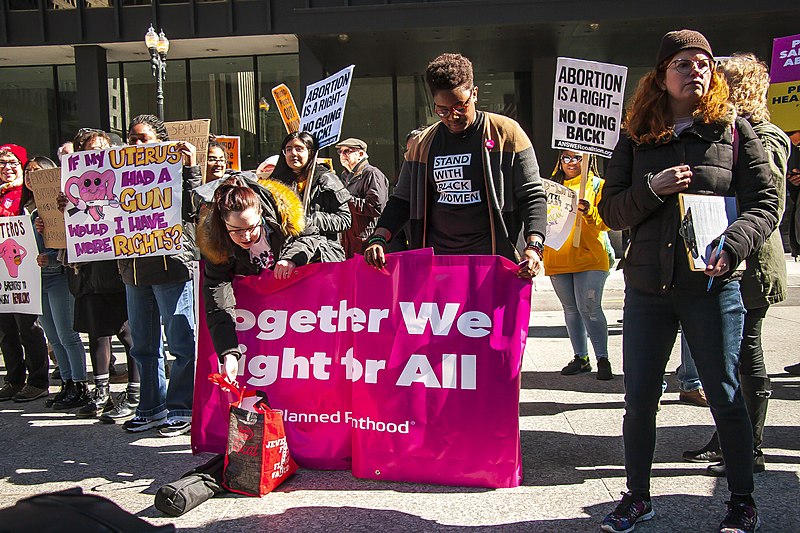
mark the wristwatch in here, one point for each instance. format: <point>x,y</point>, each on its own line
<point>536,246</point>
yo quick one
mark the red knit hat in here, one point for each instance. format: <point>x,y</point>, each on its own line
<point>19,151</point>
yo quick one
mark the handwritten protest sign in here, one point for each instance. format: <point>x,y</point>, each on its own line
<point>323,108</point>
<point>562,204</point>
<point>286,107</point>
<point>783,97</point>
<point>123,202</point>
<point>410,374</point>
<point>195,132</point>
<point>46,185</point>
<point>231,144</point>
<point>587,106</point>
<point>20,275</point>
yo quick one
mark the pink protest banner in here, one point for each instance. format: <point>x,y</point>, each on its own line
<point>411,374</point>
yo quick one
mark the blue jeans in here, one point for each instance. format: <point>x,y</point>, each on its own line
<point>688,379</point>
<point>58,306</point>
<point>712,323</point>
<point>172,303</point>
<point>581,295</point>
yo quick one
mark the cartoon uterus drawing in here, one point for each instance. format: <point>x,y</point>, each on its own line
<point>12,252</point>
<point>95,190</point>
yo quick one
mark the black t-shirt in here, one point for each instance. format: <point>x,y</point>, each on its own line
<point>458,221</point>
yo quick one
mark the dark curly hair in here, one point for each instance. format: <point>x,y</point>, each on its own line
<point>154,122</point>
<point>448,72</point>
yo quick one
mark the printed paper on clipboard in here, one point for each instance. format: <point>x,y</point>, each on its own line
<point>703,219</point>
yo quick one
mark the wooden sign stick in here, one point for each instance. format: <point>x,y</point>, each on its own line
<point>576,235</point>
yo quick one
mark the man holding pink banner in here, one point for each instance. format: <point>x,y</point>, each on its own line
<point>410,374</point>
<point>469,183</point>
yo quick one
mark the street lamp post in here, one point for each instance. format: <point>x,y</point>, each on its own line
<point>158,45</point>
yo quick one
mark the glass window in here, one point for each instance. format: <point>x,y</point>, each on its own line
<point>272,71</point>
<point>28,108</point>
<point>223,89</point>
<point>99,3</point>
<point>116,111</point>
<point>414,110</point>
<point>368,116</point>
<point>23,5</point>
<point>67,103</point>
<point>497,93</point>
<point>139,88</point>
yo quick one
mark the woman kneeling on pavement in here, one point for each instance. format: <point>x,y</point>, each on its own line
<point>248,228</point>
<point>681,136</point>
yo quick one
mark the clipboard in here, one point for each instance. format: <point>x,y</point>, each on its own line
<point>703,219</point>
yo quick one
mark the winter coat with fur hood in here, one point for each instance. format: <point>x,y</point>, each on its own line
<point>290,238</point>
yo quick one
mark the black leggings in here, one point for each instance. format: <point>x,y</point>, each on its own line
<point>100,353</point>
<point>751,357</point>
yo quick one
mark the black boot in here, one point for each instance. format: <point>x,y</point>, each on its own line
<point>756,392</point>
<point>124,408</point>
<point>77,396</point>
<point>100,397</point>
<point>709,453</point>
<point>58,396</point>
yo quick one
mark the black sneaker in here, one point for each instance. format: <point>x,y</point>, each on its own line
<point>30,393</point>
<point>576,366</point>
<point>741,518</point>
<point>123,409</point>
<point>604,369</point>
<point>174,428</point>
<point>630,511</point>
<point>710,453</point>
<point>8,391</point>
<point>138,424</point>
<point>99,399</point>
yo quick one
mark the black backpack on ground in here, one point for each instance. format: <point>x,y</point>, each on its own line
<point>192,489</point>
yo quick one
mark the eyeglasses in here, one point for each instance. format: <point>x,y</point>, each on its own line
<point>7,163</point>
<point>294,149</point>
<point>345,151</point>
<point>460,108</point>
<point>567,159</point>
<point>687,66</point>
<point>84,131</point>
<point>240,232</point>
<point>213,160</point>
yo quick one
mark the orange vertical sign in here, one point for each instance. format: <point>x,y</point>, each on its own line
<point>287,108</point>
<point>231,144</point>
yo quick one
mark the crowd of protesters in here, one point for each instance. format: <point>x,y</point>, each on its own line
<point>693,125</point>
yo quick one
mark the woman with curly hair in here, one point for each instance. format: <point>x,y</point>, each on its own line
<point>764,280</point>
<point>681,136</point>
<point>326,206</point>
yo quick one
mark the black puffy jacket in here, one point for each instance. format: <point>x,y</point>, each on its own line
<point>656,258</point>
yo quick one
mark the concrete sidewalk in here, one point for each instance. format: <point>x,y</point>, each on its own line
<point>572,450</point>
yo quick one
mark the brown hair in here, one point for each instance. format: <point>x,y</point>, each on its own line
<point>233,195</point>
<point>649,118</point>
<point>748,81</point>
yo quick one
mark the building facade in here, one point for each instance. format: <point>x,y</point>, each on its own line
<point>66,64</point>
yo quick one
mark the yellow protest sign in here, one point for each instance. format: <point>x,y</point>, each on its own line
<point>783,100</point>
<point>287,108</point>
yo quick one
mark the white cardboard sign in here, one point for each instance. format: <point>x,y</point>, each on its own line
<point>323,108</point>
<point>587,105</point>
<point>20,275</point>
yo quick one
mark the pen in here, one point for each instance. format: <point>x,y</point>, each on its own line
<point>719,251</point>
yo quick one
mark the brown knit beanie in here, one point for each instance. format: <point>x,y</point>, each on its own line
<point>675,41</point>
